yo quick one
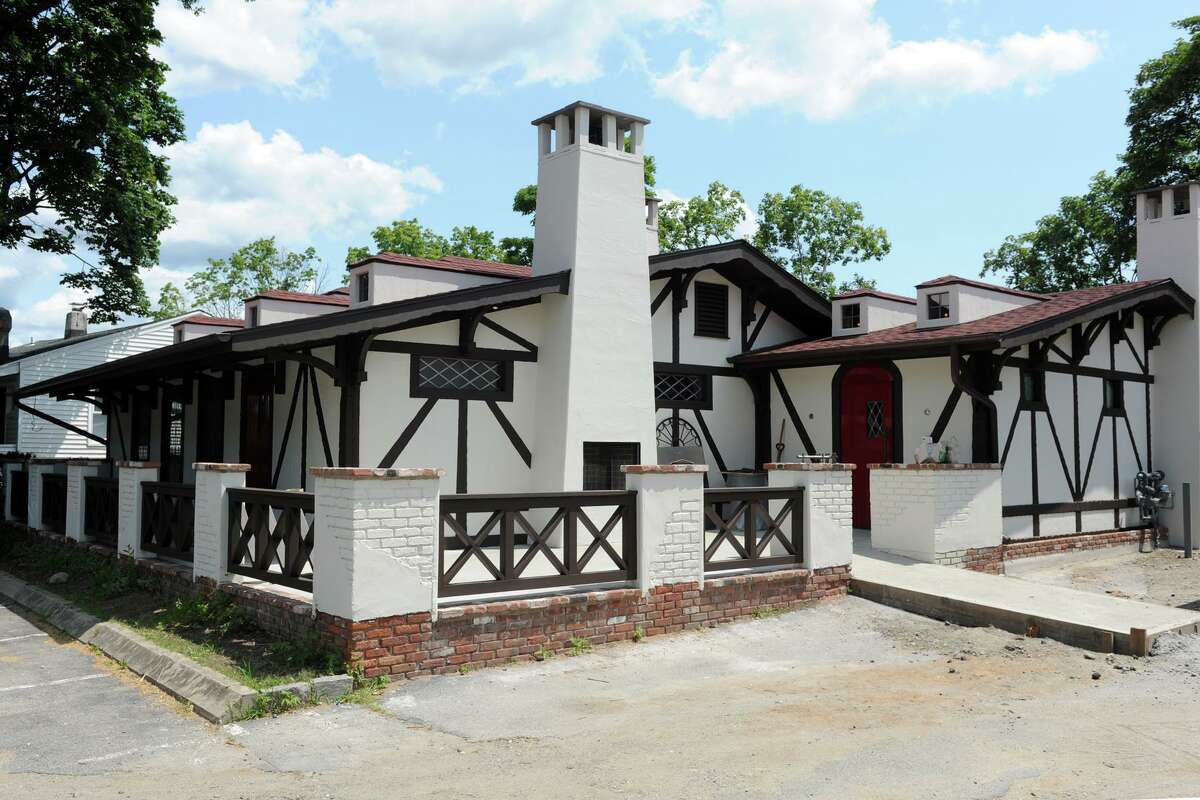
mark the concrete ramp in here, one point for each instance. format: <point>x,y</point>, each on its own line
<point>1092,621</point>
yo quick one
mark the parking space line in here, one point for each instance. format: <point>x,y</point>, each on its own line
<point>58,682</point>
<point>26,636</point>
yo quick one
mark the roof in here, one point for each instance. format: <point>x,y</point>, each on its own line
<point>340,290</point>
<point>946,280</point>
<point>216,350</point>
<point>205,319</point>
<point>302,297</point>
<point>622,117</point>
<point>895,298</point>
<point>1007,329</point>
<point>474,266</point>
<point>46,345</point>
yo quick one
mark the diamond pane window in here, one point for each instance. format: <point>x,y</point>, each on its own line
<point>674,389</point>
<point>875,419</point>
<point>436,375</point>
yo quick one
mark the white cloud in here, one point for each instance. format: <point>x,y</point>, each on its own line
<point>824,57</point>
<point>234,43</point>
<point>235,185</point>
<point>471,44</point>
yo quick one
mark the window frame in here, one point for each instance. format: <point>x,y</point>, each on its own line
<point>1033,380</point>
<point>362,282</point>
<point>252,317</point>
<point>614,477</point>
<point>1117,387</point>
<point>705,403</point>
<point>712,290</point>
<point>934,302</point>
<point>505,393</point>
<point>856,309</point>
<point>1184,192</point>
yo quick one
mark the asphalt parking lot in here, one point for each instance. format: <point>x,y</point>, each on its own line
<point>65,710</point>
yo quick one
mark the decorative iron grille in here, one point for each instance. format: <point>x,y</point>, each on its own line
<point>875,419</point>
<point>459,374</point>
<point>671,388</point>
<point>665,434</point>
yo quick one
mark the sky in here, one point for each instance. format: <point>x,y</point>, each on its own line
<point>953,122</point>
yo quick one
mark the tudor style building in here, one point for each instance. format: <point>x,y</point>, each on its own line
<point>606,352</point>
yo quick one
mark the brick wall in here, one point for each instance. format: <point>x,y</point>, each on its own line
<point>497,633</point>
<point>1050,545</point>
<point>680,553</point>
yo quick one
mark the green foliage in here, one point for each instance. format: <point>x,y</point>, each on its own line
<point>471,242</point>
<point>810,232</point>
<point>216,616</point>
<point>702,220</point>
<point>363,690</point>
<point>272,704</point>
<point>639,633</point>
<point>1164,114</point>
<point>525,201</point>
<point>171,303</point>
<point>766,613</point>
<point>404,236</point>
<point>1090,240</point>
<point>256,267</point>
<point>517,250</point>
<point>579,646</point>
<point>543,653</point>
<point>83,119</point>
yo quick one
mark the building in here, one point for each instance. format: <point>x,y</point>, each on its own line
<point>606,352</point>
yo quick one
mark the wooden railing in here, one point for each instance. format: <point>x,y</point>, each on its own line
<point>54,502</point>
<point>550,553</point>
<point>741,531</point>
<point>18,494</point>
<point>168,518</point>
<point>100,509</point>
<point>271,535</point>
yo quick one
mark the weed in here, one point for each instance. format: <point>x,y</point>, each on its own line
<point>639,633</point>
<point>579,646</point>
<point>464,669</point>
<point>543,653</point>
<point>766,613</point>
<point>272,704</point>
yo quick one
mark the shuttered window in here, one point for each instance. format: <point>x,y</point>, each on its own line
<point>712,309</point>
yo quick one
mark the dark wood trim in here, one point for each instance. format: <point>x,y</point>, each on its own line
<point>947,414</point>
<point>708,440</point>
<point>706,403</point>
<point>451,351</point>
<point>1012,429</point>
<point>513,337</point>
<point>513,437</point>
<point>797,423</point>
<point>762,321</point>
<point>305,370</point>
<point>1132,442</point>
<point>287,430</point>
<point>505,394</point>
<point>663,294</point>
<point>760,388</point>
<point>1087,475</point>
<point>1030,509</point>
<point>698,369</point>
<point>460,472</point>
<point>320,415</point>
<point>1081,371</point>
<point>1062,458</point>
<point>55,421</point>
<point>407,434</point>
<point>279,355</point>
<point>468,324</point>
<point>351,354</point>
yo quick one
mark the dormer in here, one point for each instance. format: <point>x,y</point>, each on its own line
<point>276,305</point>
<point>867,311</point>
<point>198,325</point>
<point>387,277</point>
<point>953,300</point>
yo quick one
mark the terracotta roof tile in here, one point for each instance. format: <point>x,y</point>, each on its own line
<point>303,297</point>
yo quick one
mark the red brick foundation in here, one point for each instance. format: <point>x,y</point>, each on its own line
<point>497,633</point>
<point>992,559</point>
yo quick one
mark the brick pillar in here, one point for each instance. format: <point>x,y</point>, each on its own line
<point>210,540</point>
<point>37,468</point>
<point>828,531</point>
<point>129,512</point>
<point>77,470</point>
<point>670,509</point>
<point>376,548</point>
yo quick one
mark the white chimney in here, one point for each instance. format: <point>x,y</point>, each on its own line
<point>76,323</point>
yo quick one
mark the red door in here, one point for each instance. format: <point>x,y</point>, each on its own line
<point>866,430</point>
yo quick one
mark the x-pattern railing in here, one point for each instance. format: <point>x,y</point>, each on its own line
<point>168,519</point>
<point>100,509</point>
<point>551,549</point>
<point>271,536</point>
<point>745,533</point>
<point>54,501</point>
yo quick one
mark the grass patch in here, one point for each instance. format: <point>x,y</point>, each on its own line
<point>364,691</point>
<point>212,631</point>
<point>767,613</point>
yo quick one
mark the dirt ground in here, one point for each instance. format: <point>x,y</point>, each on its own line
<point>1159,576</point>
<point>843,700</point>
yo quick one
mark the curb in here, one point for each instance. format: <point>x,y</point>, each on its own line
<point>213,696</point>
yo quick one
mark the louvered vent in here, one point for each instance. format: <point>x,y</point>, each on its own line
<point>712,310</point>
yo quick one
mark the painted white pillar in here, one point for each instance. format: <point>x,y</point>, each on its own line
<point>583,123</point>
<point>210,539</point>
<point>609,131</point>
<point>562,132</point>
<point>543,139</point>
<point>130,475</point>
<point>828,498</point>
<point>37,468</point>
<point>77,470</point>
<point>670,509</point>
<point>376,549</point>
<point>637,130</point>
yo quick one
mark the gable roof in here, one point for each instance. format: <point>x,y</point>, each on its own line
<point>1010,328</point>
<point>946,280</point>
<point>474,266</point>
<point>895,298</point>
<point>205,319</point>
<point>19,352</point>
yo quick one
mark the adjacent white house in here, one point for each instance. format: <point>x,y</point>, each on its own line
<point>606,353</point>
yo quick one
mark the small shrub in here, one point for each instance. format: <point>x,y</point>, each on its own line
<point>639,633</point>
<point>273,704</point>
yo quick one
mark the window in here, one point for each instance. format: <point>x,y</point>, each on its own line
<point>252,317</point>
<point>178,335</point>
<point>1033,386</point>
<point>851,315</point>
<point>461,378</point>
<point>875,428</point>
<point>1114,396</point>
<point>602,462</point>
<point>682,390</point>
<point>364,287</point>
<point>1154,205</point>
<point>939,305</point>
<point>1182,203</point>
<point>712,310</point>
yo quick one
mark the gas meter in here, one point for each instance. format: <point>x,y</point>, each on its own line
<point>1153,494</point>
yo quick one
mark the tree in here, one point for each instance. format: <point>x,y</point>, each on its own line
<point>171,303</point>
<point>1088,241</point>
<point>404,236</point>
<point>700,220</point>
<point>256,267</point>
<point>82,120</point>
<point>810,231</point>
<point>517,250</point>
<point>1091,238</point>
<point>471,242</point>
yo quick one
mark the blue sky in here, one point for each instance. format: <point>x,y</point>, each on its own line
<point>953,122</point>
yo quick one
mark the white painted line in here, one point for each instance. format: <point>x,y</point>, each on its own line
<point>59,682</point>
<point>26,636</point>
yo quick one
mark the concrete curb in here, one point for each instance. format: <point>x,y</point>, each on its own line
<point>212,695</point>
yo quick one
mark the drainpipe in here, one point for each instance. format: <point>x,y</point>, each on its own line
<point>956,378</point>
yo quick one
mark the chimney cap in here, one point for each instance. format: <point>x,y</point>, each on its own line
<point>622,118</point>
<point>1163,188</point>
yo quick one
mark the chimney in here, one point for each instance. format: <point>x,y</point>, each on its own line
<point>76,324</point>
<point>5,329</point>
